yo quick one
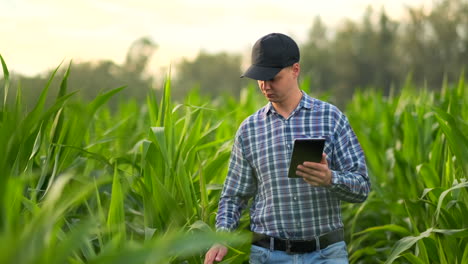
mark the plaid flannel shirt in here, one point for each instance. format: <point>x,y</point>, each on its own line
<point>289,207</point>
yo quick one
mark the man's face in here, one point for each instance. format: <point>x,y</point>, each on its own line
<point>277,89</point>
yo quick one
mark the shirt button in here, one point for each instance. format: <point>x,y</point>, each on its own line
<point>295,198</point>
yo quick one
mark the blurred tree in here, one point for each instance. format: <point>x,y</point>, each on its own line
<point>434,45</point>
<point>380,52</point>
<point>94,77</point>
<point>359,55</point>
<point>138,55</point>
<point>345,65</point>
<point>374,52</point>
<point>212,74</point>
<point>316,58</point>
<point>386,52</point>
<point>91,78</point>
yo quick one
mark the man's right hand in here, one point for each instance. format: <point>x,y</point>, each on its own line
<point>216,253</point>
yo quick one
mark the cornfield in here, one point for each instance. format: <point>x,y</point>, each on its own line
<point>80,183</point>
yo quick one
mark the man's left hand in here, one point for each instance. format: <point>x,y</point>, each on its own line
<point>316,174</point>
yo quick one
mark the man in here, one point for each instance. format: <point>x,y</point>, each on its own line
<point>293,219</point>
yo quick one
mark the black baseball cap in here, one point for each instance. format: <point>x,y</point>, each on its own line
<point>270,54</point>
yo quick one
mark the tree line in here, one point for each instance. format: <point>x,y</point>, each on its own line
<point>429,47</point>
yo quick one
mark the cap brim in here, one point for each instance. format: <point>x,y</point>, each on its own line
<point>261,73</point>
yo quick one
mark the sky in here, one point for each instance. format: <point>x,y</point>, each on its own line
<point>37,35</point>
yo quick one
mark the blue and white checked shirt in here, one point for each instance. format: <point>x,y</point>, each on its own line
<point>289,207</point>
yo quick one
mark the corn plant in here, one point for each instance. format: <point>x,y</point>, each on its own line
<point>83,183</point>
<point>416,144</point>
<point>74,183</point>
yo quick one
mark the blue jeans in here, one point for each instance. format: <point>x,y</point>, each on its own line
<point>333,254</point>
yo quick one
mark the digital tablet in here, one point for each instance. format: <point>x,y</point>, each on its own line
<point>305,150</point>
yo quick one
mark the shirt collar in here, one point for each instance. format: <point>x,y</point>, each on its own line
<point>306,102</point>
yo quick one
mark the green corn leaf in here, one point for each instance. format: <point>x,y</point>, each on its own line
<point>6,86</point>
<point>166,204</point>
<point>63,84</point>
<point>428,175</point>
<point>442,253</point>
<point>19,100</point>
<point>102,99</point>
<point>159,139</point>
<point>59,103</point>
<point>59,118</point>
<point>201,226</point>
<point>116,216</point>
<point>56,126</point>
<point>93,155</point>
<point>214,167</point>
<point>391,228</point>
<point>152,108</point>
<point>444,194</point>
<point>427,249</point>
<point>458,142</point>
<point>412,258</point>
<point>13,197</point>
<point>422,249</point>
<point>38,108</point>
<point>72,241</point>
<point>151,218</point>
<point>458,233</point>
<point>168,246</point>
<point>404,244</point>
<point>464,258</point>
<point>360,253</point>
<point>37,143</point>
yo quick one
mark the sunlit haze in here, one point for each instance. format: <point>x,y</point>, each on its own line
<point>36,35</point>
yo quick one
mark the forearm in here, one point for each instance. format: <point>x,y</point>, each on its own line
<point>229,213</point>
<point>350,181</point>
<point>351,187</point>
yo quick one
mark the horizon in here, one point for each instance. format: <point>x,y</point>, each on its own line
<point>41,34</point>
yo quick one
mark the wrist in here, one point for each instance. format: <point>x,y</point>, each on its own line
<point>333,178</point>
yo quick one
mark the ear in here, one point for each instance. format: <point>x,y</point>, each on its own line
<point>296,69</point>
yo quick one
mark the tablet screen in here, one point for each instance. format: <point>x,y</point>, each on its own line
<point>305,150</point>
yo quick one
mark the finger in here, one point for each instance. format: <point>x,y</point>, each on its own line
<point>312,181</point>
<point>314,177</point>
<point>314,171</point>
<point>305,170</point>
<point>221,253</point>
<point>324,159</point>
<point>209,257</point>
<point>311,166</point>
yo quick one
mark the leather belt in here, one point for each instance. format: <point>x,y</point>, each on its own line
<point>298,246</point>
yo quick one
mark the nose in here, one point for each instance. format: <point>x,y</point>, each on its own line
<point>264,85</point>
